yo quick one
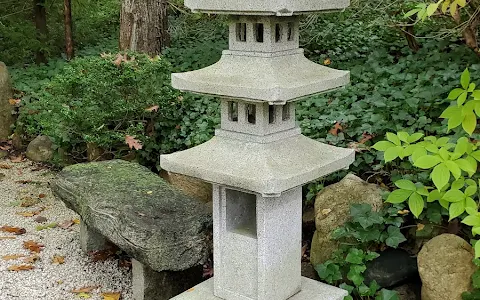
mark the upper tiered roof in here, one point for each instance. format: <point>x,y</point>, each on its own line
<point>265,7</point>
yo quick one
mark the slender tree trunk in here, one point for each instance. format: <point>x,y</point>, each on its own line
<point>411,40</point>
<point>470,33</point>
<point>40,19</point>
<point>144,26</point>
<point>67,11</point>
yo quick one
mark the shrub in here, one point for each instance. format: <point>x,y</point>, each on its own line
<point>101,99</point>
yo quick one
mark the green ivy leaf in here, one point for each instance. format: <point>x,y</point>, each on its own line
<point>403,136</point>
<point>451,112</point>
<point>346,287</point>
<point>472,220</point>
<point>399,196</point>
<point>355,256</point>
<point>455,93</point>
<point>387,295</point>
<point>434,196</point>
<point>455,120</point>
<point>477,249</point>
<point>416,204</point>
<point>395,237</point>
<point>414,137</point>
<point>462,98</point>
<point>470,191</point>
<point>466,166</point>
<point>392,153</point>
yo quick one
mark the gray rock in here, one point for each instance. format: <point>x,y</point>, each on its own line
<point>139,212</point>
<point>445,266</point>
<point>408,292</point>
<point>40,149</point>
<point>6,93</point>
<point>332,209</point>
<point>391,268</point>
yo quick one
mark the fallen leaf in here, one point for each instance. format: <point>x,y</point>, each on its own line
<point>16,159</point>
<point>153,108</point>
<point>102,255</point>
<point>149,192</point>
<point>403,212</point>
<point>66,224</point>
<point>326,211</point>
<point>26,214</point>
<point>84,295</point>
<point>14,101</point>
<point>366,137</point>
<point>48,226</point>
<point>29,201</point>
<point>111,296</point>
<point>14,230</point>
<point>33,246</point>
<point>40,219</point>
<point>86,289</point>
<point>31,259</point>
<point>76,221</point>
<point>7,238</point>
<point>21,268</point>
<point>5,166</point>
<point>12,256</point>
<point>57,259</point>
<point>327,62</point>
<point>133,143</point>
<point>336,128</point>
<point>420,226</point>
<point>191,290</point>
<point>41,196</point>
<point>5,148</point>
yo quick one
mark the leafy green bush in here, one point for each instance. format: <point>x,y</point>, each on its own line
<point>365,230</point>
<point>101,100</point>
<point>449,162</point>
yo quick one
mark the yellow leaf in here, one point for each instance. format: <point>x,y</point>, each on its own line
<point>12,257</point>
<point>57,259</point>
<point>111,296</point>
<point>21,268</point>
<point>461,3</point>
<point>327,62</point>
<point>420,226</point>
<point>453,9</point>
<point>76,221</point>
<point>83,295</point>
<point>326,211</point>
<point>445,6</point>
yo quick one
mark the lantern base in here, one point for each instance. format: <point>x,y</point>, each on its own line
<point>311,290</point>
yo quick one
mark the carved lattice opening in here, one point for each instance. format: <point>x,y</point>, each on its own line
<point>233,111</point>
<point>251,113</point>
<point>286,112</point>
<point>241,32</point>
<point>259,32</point>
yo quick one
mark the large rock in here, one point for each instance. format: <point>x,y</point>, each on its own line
<point>445,266</point>
<point>332,209</point>
<point>40,149</point>
<point>6,93</point>
<point>191,186</point>
<point>391,268</point>
<point>139,212</point>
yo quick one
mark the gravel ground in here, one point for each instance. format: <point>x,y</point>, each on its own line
<point>49,281</point>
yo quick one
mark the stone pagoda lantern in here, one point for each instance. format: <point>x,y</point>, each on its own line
<point>258,159</point>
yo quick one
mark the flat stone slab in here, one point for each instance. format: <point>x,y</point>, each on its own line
<point>311,290</point>
<point>139,212</point>
<point>267,169</point>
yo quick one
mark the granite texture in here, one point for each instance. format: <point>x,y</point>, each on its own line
<point>274,79</point>
<point>267,169</point>
<point>139,212</point>
<point>258,245</point>
<point>40,149</point>
<point>310,290</point>
<point>91,239</point>
<point>265,7</point>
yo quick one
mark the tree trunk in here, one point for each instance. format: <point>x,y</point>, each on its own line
<point>144,26</point>
<point>470,32</point>
<point>411,40</point>
<point>40,18</point>
<point>67,12</point>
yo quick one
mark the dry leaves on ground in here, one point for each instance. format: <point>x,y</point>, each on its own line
<point>133,143</point>
<point>5,166</point>
<point>31,259</point>
<point>33,246</point>
<point>7,238</point>
<point>86,289</point>
<point>12,256</point>
<point>14,230</point>
<point>16,159</point>
<point>66,224</point>
<point>111,296</point>
<point>21,268</point>
<point>57,259</point>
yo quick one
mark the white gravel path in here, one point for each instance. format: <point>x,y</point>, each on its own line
<point>48,281</point>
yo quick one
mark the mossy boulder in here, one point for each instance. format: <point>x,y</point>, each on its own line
<point>139,212</point>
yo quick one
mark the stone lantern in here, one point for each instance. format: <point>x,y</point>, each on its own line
<point>258,159</point>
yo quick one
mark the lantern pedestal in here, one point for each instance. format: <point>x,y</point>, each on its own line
<point>311,290</point>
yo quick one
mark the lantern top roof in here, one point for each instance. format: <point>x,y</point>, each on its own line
<point>265,7</point>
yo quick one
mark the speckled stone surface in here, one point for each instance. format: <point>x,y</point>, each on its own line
<point>265,7</point>
<point>311,290</point>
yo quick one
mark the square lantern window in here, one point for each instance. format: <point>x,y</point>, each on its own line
<point>271,114</point>
<point>259,32</point>
<point>251,111</point>
<point>286,112</point>
<point>233,111</point>
<point>241,213</point>
<point>291,31</point>
<point>241,32</point>
<point>278,33</point>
